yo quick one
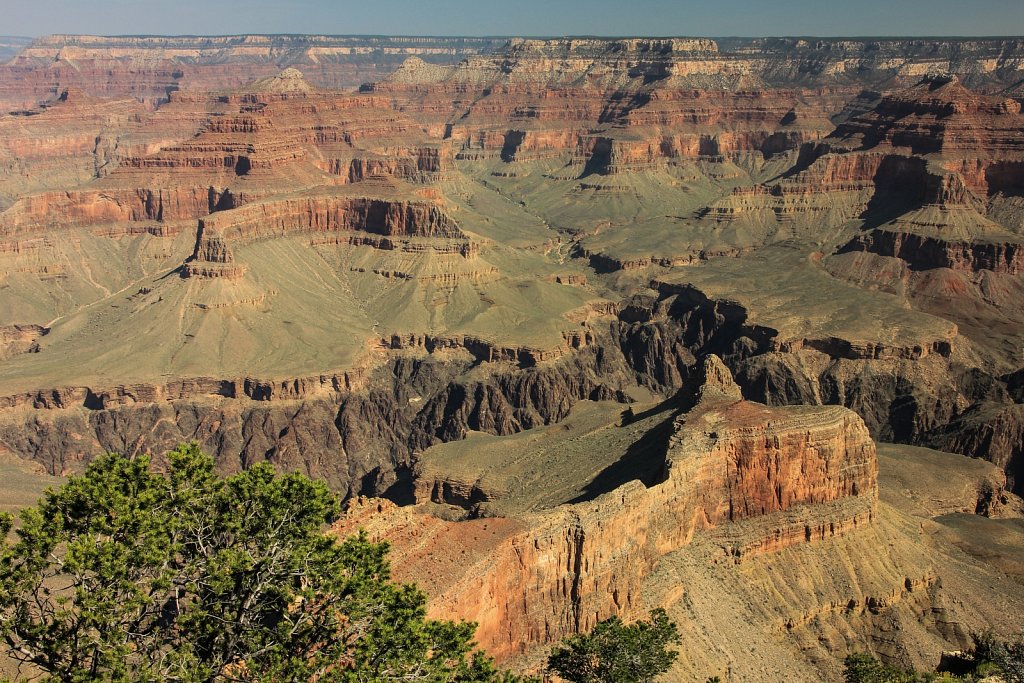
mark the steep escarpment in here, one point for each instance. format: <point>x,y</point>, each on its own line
<point>726,461</point>
<point>922,252</point>
<point>606,107</point>
<point>66,141</point>
<point>495,287</point>
<point>909,384</point>
<point>908,375</point>
<point>149,68</point>
<point>742,500</point>
<point>221,151</point>
<point>344,213</point>
<point>16,339</point>
<point>354,429</point>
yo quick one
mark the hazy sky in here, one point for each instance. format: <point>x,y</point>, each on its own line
<point>516,17</point>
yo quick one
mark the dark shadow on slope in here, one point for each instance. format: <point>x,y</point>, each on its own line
<point>885,210</point>
<point>645,458</point>
<point>600,158</point>
<point>513,140</point>
<point>401,492</point>
<point>901,185</point>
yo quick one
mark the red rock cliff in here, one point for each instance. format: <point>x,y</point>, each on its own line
<point>777,476</point>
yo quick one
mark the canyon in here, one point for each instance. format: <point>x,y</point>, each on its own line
<point>582,327</point>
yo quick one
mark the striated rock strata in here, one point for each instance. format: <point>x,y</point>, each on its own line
<point>782,475</point>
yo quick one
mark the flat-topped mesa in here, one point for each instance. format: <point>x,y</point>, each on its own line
<point>487,351</point>
<point>785,469</point>
<point>608,47</point>
<point>561,61</point>
<point>322,212</point>
<point>149,67</point>
<point>925,252</point>
<point>903,61</point>
<point>758,478</point>
<point>289,82</point>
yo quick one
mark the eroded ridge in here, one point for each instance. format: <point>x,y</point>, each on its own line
<point>772,477</point>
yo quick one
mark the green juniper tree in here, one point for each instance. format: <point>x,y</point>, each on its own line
<point>125,574</point>
<point>863,668</point>
<point>616,653</point>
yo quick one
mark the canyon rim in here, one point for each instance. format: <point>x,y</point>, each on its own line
<point>581,326</point>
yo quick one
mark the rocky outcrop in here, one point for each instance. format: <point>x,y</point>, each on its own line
<point>906,390</point>
<point>322,212</point>
<point>922,252</point>
<point>284,156</point>
<point>281,122</point>
<point>357,428</point>
<point>796,474</point>
<point>277,136</point>
<point>488,352</point>
<point>15,339</point>
<point>65,142</point>
<point>938,114</point>
<point>104,207</point>
<point>924,159</point>
<point>993,431</point>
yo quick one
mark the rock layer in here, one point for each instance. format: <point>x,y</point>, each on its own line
<point>797,474</point>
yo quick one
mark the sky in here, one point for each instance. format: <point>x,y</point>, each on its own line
<point>718,18</point>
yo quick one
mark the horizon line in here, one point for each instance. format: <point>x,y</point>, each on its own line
<point>894,36</point>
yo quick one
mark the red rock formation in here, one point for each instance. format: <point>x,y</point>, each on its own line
<point>602,106</point>
<point>274,136</point>
<point>937,115</point>
<point>926,252</point>
<point>330,212</point>
<point>782,476</point>
<point>63,143</point>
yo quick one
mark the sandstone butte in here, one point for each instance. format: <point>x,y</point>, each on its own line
<point>440,290</point>
<point>800,473</point>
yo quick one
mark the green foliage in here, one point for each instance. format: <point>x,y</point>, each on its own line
<point>123,574</point>
<point>616,653</point>
<point>1010,660</point>
<point>988,657</point>
<point>991,656</point>
<point>863,668</point>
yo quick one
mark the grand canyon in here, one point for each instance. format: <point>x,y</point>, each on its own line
<point>583,327</point>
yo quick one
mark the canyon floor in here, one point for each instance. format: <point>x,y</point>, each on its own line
<point>582,326</point>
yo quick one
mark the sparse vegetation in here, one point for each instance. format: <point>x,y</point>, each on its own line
<point>616,653</point>
<point>125,574</point>
<point>863,668</point>
<point>988,657</point>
